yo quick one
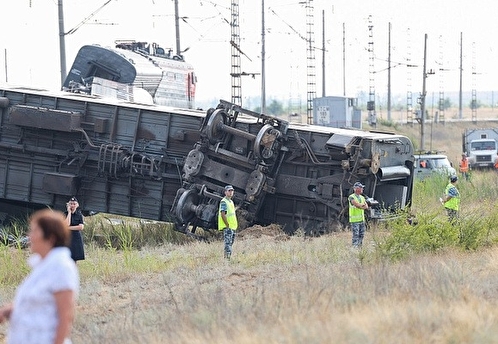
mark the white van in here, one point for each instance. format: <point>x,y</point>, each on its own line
<point>428,164</point>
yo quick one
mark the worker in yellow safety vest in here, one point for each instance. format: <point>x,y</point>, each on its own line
<point>357,206</point>
<point>227,220</point>
<point>451,200</point>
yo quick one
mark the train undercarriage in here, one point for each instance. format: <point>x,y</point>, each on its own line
<point>170,164</point>
<point>298,176</point>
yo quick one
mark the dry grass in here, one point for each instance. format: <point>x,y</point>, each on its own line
<point>294,291</point>
<point>280,289</point>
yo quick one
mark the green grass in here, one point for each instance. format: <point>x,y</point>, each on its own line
<point>122,243</point>
<point>428,282</point>
<point>432,232</point>
<point>122,233</point>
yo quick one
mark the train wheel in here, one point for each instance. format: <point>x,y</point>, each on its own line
<point>265,144</point>
<point>185,209</point>
<point>213,131</point>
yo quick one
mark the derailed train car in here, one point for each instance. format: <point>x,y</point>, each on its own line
<point>116,157</point>
<point>171,164</point>
<point>298,176</point>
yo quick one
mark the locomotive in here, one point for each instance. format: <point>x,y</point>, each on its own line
<point>133,71</point>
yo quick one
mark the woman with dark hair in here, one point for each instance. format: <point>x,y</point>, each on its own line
<point>75,221</point>
<point>44,305</point>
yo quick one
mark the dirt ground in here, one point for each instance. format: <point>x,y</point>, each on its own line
<point>258,231</point>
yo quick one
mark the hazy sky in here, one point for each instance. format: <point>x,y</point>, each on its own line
<point>30,42</point>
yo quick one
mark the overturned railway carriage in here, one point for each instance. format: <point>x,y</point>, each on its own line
<point>169,164</point>
<point>298,176</point>
<point>116,157</point>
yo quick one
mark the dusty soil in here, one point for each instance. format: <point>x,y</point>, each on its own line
<point>258,231</point>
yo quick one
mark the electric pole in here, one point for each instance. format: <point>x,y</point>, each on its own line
<point>263,57</point>
<point>389,76</point>
<point>422,98</point>
<point>62,43</point>
<point>460,115</point>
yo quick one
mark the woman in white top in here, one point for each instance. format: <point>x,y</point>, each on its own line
<point>44,305</point>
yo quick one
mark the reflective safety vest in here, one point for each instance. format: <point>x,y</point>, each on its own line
<point>454,202</point>
<point>356,214</point>
<point>464,165</point>
<point>231,216</point>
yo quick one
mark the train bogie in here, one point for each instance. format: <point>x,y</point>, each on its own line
<point>298,176</point>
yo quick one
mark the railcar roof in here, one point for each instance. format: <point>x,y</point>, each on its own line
<point>351,132</point>
<point>100,100</point>
<point>345,131</point>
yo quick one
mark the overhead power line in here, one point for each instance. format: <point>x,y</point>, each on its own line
<point>290,26</point>
<point>74,29</point>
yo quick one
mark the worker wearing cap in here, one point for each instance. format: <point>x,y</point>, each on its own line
<point>464,167</point>
<point>357,206</point>
<point>227,220</point>
<point>451,200</point>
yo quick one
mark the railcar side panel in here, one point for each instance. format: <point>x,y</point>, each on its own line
<point>116,157</point>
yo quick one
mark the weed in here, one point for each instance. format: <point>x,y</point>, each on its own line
<point>15,234</point>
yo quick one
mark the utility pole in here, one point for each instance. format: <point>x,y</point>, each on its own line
<point>460,115</point>
<point>389,76</point>
<point>310,58</point>
<point>474,90</point>
<point>372,116</point>
<point>441,83</point>
<point>409,94</point>
<point>177,30</point>
<point>344,59</point>
<point>422,97</point>
<point>62,43</point>
<point>235,54</point>
<point>5,61</point>
<point>323,53</point>
<point>263,53</point>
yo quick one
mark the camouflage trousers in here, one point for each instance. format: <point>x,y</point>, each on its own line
<point>358,229</point>
<point>229,237</point>
<point>452,215</point>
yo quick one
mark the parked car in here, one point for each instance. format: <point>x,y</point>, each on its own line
<point>428,164</point>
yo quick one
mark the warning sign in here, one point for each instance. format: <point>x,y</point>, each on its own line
<point>323,115</point>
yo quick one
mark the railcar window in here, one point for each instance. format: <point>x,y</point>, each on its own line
<point>103,73</point>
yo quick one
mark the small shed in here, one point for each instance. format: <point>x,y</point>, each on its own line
<point>337,112</point>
